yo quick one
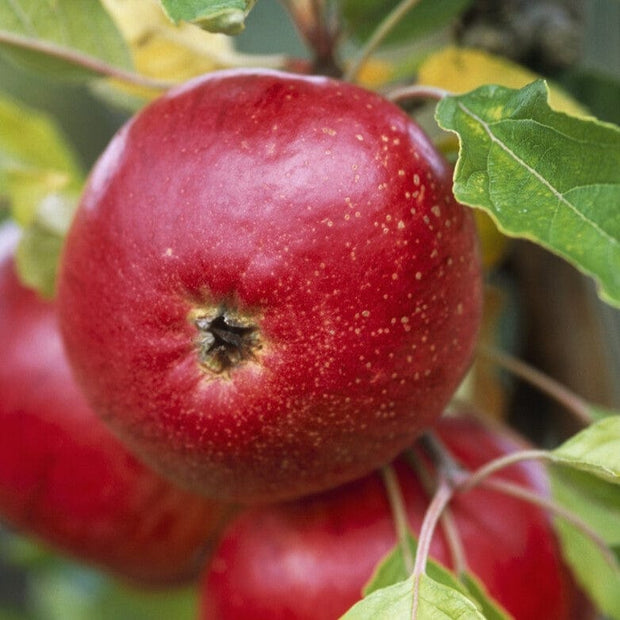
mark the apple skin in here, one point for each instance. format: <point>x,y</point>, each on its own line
<point>308,212</point>
<point>65,479</point>
<point>309,559</point>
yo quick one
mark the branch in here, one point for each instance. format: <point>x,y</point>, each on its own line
<point>515,490</point>
<point>383,29</point>
<point>416,91</point>
<point>577,405</point>
<point>499,463</point>
<point>80,59</point>
<point>399,514</point>
<point>442,497</point>
<point>447,522</point>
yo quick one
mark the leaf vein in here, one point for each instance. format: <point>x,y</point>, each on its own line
<point>22,16</point>
<point>560,197</point>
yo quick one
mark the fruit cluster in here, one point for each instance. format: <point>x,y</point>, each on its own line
<point>267,293</point>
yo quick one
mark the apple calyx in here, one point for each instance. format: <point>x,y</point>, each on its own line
<point>225,341</point>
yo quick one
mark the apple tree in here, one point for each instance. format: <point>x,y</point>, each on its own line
<point>309,309</point>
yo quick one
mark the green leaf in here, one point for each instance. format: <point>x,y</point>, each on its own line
<point>60,588</point>
<point>362,16</point>
<point>541,174</point>
<point>39,249</point>
<point>35,160</point>
<point>75,593</point>
<point>598,413</point>
<point>595,575</point>
<point>40,180</point>
<point>56,35</point>
<point>596,450</point>
<point>597,503</point>
<point>436,601</point>
<point>391,570</point>
<point>476,590</point>
<point>226,16</point>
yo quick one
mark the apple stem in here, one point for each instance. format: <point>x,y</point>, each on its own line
<point>319,29</point>
<point>399,514</point>
<point>516,490</point>
<point>441,498</point>
<point>455,542</point>
<point>416,91</point>
<point>382,30</point>
<point>560,393</point>
<point>488,469</point>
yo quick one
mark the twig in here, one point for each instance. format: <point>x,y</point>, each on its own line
<point>577,405</point>
<point>399,514</point>
<point>82,60</point>
<point>318,30</point>
<point>515,490</point>
<point>443,459</point>
<point>442,497</point>
<point>416,91</point>
<point>377,37</point>
<point>499,463</point>
<point>455,542</point>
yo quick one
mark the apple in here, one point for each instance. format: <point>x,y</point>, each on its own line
<point>268,288</point>
<point>64,478</point>
<point>309,559</point>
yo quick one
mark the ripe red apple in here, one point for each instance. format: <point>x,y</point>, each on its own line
<point>269,288</point>
<point>309,559</point>
<point>65,478</point>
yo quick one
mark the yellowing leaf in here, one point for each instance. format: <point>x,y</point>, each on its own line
<point>170,52</point>
<point>375,73</point>
<point>35,160</point>
<point>161,49</point>
<point>493,244</point>
<point>460,70</point>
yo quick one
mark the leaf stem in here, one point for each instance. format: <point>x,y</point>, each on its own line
<point>455,542</point>
<point>481,477</point>
<point>560,393</point>
<point>80,59</point>
<point>382,30</point>
<point>443,495</point>
<point>399,514</point>
<point>447,522</point>
<point>516,490</point>
<point>454,474</point>
<point>416,91</point>
<point>499,463</point>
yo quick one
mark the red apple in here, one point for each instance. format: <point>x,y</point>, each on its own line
<point>309,559</point>
<point>65,478</point>
<point>269,288</point>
